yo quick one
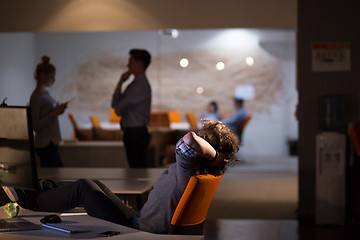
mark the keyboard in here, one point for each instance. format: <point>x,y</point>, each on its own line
<point>63,227</point>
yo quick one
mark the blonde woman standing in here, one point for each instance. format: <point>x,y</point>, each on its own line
<point>45,111</point>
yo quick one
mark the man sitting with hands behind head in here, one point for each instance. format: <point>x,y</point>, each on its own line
<point>209,151</point>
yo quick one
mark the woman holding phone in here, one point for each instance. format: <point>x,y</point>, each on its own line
<point>45,111</point>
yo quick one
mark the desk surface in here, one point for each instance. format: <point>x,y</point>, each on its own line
<point>118,180</point>
<point>100,173</point>
<point>129,186</point>
<point>121,181</point>
<point>96,225</point>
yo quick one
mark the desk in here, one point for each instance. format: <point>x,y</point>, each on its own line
<point>93,154</point>
<point>100,173</point>
<point>96,225</point>
<point>133,192</point>
<point>131,185</point>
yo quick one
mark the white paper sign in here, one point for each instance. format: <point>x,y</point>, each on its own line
<point>245,91</point>
<point>330,56</point>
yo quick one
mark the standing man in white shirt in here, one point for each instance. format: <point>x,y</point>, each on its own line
<point>133,105</point>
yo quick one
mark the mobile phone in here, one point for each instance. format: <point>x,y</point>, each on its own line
<point>70,100</point>
<point>108,233</point>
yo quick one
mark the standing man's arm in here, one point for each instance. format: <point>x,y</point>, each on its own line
<point>118,90</point>
<point>125,76</point>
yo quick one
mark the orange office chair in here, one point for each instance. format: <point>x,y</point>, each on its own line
<point>191,118</point>
<point>95,121</point>
<point>159,119</point>
<point>190,213</point>
<point>113,117</point>
<point>240,130</point>
<point>73,121</point>
<point>80,134</point>
<point>101,134</point>
<point>174,116</point>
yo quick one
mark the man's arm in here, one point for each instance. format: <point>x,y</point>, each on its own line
<point>200,145</point>
<point>118,96</point>
<point>125,76</point>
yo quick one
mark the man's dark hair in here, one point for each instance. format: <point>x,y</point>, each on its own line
<point>239,100</point>
<point>224,141</point>
<point>141,55</point>
<point>215,105</point>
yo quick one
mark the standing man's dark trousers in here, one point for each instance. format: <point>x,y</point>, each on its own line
<point>136,141</point>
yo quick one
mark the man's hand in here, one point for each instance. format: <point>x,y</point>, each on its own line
<point>125,76</point>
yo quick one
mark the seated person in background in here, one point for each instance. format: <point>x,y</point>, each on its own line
<point>210,151</point>
<point>235,121</point>
<point>212,112</point>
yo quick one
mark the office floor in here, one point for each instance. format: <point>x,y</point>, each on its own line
<point>259,188</point>
<point>257,200</point>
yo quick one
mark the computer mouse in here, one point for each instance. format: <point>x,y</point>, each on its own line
<point>52,218</point>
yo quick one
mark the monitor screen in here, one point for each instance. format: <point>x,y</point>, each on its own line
<point>17,156</point>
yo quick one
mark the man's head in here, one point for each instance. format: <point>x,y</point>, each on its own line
<point>212,107</point>
<point>239,102</point>
<point>139,56</point>
<point>224,141</point>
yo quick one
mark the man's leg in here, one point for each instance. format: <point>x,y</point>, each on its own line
<point>136,142</point>
<point>83,192</point>
<point>129,212</point>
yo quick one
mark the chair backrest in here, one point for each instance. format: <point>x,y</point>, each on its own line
<point>190,213</point>
<point>159,119</point>
<point>113,117</point>
<point>246,121</point>
<point>95,121</point>
<point>72,120</point>
<point>242,126</point>
<point>80,134</point>
<point>100,134</point>
<point>174,116</point>
<point>191,118</point>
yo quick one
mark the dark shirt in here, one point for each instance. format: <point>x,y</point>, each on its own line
<point>133,105</point>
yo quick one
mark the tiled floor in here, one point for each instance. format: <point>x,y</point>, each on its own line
<point>259,188</point>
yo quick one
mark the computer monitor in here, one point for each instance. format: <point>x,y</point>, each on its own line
<point>17,156</point>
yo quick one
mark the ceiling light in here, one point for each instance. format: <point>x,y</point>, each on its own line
<point>184,62</point>
<point>249,61</point>
<point>220,66</point>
